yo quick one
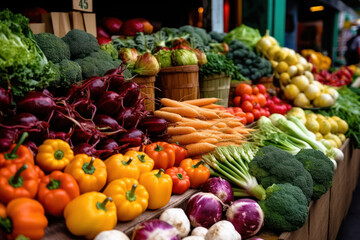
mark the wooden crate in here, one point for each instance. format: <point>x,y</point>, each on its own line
<point>319,218</point>
<point>217,86</point>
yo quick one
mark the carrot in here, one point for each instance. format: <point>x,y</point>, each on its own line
<point>197,124</point>
<point>183,111</point>
<point>180,130</point>
<point>188,138</point>
<point>199,148</point>
<point>221,125</point>
<point>201,101</point>
<point>211,106</point>
<point>209,140</point>
<point>226,115</point>
<point>233,124</point>
<point>171,103</point>
<point>171,117</point>
<point>227,144</point>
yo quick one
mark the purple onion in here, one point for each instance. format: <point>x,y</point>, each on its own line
<point>155,229</point>
<point>204,209</point>
<point>220,188</point>
<point>247,217</point>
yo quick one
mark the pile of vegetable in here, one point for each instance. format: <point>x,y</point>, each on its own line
<point>317,59</point>
<point>340,77</point>
<point>24,67</point>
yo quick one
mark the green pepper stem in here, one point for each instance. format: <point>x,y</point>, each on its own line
<point>5,223</point>
<point>128,162</point>
<point>141,158</point>
<point>89,167</point>
<point>102,206</point>
<point>16,178</point>
<point>53,184</point>
<point>91,163</point>
<point>198,164</point>
<point>59,155</point>
<point>180,176</point>
<point>12,154</point>
<point>159,148</point>
<point>130,195</point>
<point>159,173</point>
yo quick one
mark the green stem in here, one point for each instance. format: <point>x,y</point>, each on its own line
<point>130,195</point>
<point>53,184</point>
<point>198,164</point>
<point>16,180</point>
<point>89,167</point>
<point>128,162</point>
<point>141,158</point>
<point>5,223</point>
<point>102,206</point>
<point>180,176</point>
<point>159,173</point>
<point>12,154</point>
<point>158,148</point>
<point>59,155</point>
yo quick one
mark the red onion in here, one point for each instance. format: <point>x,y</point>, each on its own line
<point>220,188</point>
<point>155,229</point>
<point>204,209</point>
<point>247,217</point>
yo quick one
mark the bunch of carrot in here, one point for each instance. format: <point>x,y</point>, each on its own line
<point>200,125</point>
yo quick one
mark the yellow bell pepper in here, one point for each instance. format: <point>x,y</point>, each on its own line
<point>54,154</point>
<point>89,214</point>
<point>159,186</point>
<point>130,198</point>
<point>144,162</point>
<point>89,172</point>
<point>120,166</point>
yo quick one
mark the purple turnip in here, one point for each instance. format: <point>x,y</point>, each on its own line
<point>220,188</point>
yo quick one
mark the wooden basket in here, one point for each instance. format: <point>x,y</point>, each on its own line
<point>216,86</point>
<point>148,90</point>
<point>179,83</point>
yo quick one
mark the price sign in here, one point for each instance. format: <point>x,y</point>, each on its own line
<point>83,5</point>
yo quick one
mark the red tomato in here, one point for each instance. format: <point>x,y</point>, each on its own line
<point>247,106</point>
<point>242,120</point>
<point>237,110</point>
<point>262,88</point>
<point>288,106</point>
<point>254,99</point>
<point>269,103</point>
<point>262,111</point>
<point>267,95</point>
<point>255,90</point>
<point>236,101</point>
<point>230,110</point>
<point>243,88</point>
<point>276,100</point>
<point>246,97</point>
<point>261,99</point>
<point>267,113</point>
<point>249,117</point>
<point>256,113</point>
<point>256,105</point>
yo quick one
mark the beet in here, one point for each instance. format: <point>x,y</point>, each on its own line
<point>115,82</point>
<point>32,147</point>
<point>128,118</point>
<point>103,121</point>
<point>131,92</point>
<point>153,125</point>
<point>59,122</point>
<point>5,98</point>
<point>109,103</point>
<point>134,137</point>
<point>84,148</point>
<point>96,87</point>
<point>37,103</point>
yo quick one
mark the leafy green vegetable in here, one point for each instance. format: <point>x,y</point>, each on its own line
<point>183,57</point>
<point>120,43</point>
<point>164,58</point>
<point>144,42</point>
<point>217,36</point>
<point>54,48</point>
<point>218,64</point>
<point>22,62</point>
<point>81,43</point>
<point>248,35</point>
<point>109,47</point>
<point>69,72</point>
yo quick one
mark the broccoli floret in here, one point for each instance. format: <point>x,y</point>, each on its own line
<point>54,48</point>
<point>69,72</point>
<point>236,44</point>
<point>217,36</point>
<point>203,34</point>
<point>285,208</point>
<point>272,165</point>
<point>88,67</point>
<point>109,47</point>
<point>320,168</point>
<point>81,43</point>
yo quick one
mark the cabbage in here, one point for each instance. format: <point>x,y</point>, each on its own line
<point>164,58</point>
<point>129,56</point>
<point>147,65</point>
<point>184,57</point>
<point>249,36</point>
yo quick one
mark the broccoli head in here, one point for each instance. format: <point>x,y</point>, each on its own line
<point>272,165</point>
<point>320,168</point>
<point>285,208</point>
<point>69,72</point>
<point>109,47</point>
<point>54,48</point>
<point>81,43</point>
<point>217,36</point>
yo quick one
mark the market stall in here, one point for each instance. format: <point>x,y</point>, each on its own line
<point>173,133</point>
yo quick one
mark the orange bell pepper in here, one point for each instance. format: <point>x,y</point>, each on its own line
<point>18,180</point>
<point>180,179</point>
<point>24,216</point>
<point>17,153</point>
<point>197,172</point>
<point>162,153</point>
<point>120,166</point>
<point>142,160</point>
<point>89,172</point>
<point>56,190</point>
<point>180,153</point>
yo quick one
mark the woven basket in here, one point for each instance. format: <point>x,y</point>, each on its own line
<point>179,83</point>
<point>217,86</point>
<point>147,91</point>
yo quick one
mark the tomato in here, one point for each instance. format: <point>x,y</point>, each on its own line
<point>247,106</point>
<point>256,113</point>
<point>256,105</point>
<point>276,100</point>
<point>262,88</point>
<point>267,113</point>
<point>246,97</point>
<point>236,101</point>
<point>288,106</point>
<point>249,117</point>
<point>243,88</point>
<point>269,103</point>
<point>267,95</point>
<point>255,90</point>
<point>240,114</point>
<point>262,112</point>
<point>242,120</point>
<point>230,110</point>
<point>237,110</point>
<point>261,99</point>
<point>254,99</point>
